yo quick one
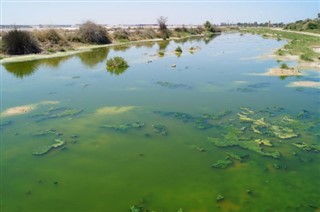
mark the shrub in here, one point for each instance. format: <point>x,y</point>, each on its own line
<point>210,28</point>
<point>121,34</point>
<point>117,65</point>
<point>17,42</point>
<point>178,50</point>
<point>284,66</point>
<point>306,57</point>
<point>50,35</point>
<point>139,34</point>
<point>161,53</point>
<point>93,33</point>
<point>280,52</point>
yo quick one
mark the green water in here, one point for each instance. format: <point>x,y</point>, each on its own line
<point>104,169</point>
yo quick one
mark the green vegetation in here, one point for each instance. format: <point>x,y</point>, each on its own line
<point>299,44</point>
<point>178,50</point>
<point>284,66</point>
<point>117,65</point>
<point>306,57</point>
<point>120,34</point>
<point>161,53</point>
<point>209,28</point>
<point>142,33</point>
<point>17,42</point>
<point>183,31</point>
<point>51,35</point>
<point>310,25</point>
<point>92,33</point>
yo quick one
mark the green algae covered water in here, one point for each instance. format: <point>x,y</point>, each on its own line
<point>202,131</point>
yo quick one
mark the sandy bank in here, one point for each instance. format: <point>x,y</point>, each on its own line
<point>310,84</point>
<point>282,72</point>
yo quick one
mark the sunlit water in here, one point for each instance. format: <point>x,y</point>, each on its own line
<point>108,169</point>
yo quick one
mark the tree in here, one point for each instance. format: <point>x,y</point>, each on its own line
<point>162,21</point>
<point>208,26</point>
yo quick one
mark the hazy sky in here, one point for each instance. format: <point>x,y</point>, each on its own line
<point>178,12</point>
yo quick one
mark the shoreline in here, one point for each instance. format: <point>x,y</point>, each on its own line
<point>301,64</point>
<point>32,57</point>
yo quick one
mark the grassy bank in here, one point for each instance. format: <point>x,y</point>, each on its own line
<point>302,45</point>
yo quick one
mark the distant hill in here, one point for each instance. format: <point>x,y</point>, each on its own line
<point>309,25</point>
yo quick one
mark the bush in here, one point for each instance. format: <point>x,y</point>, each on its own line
<point>306,57</point>
<point>117,65</point>
<point>50,35</point>
<point>121,34</point>
<point>92,33</point>
<point>284,66</point>
<point>161,53</point>
<point>139,34</point>
<point>281,52</point>
<point>178,50</point>
<point>17,42</point>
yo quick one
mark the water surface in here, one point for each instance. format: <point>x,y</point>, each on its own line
<point>165,164</point>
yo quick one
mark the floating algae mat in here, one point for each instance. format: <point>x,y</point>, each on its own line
<point>53,113</point>
<point>206,135</point>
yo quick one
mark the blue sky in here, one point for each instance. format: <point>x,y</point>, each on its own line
<point>178,12</point>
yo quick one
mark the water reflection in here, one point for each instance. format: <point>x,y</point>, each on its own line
<point>144,44</point>
<point>208,39</point>
<point>24,69</point>
<point>117,65</point>
<point>121,48</point>
<point>163,45</point>
<point>93,57</point>
<point>117,71</point>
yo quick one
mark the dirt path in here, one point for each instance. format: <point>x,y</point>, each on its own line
<point>297,32</point>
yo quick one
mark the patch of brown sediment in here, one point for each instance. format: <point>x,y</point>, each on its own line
<point>278,57</point>
<point>283,72</point>
<point>19,110</point>
<point>114,110</point>
<point>314,65</point>
<point>13,111</point>
<point>309,65</point>
<point>309,84</point>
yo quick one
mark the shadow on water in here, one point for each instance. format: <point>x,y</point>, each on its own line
<point>25,69</point>
<point>93,57</point>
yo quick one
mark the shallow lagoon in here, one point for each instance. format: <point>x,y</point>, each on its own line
<point>106,164</point>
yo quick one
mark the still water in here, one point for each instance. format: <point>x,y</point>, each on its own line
<point>202,131</point>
